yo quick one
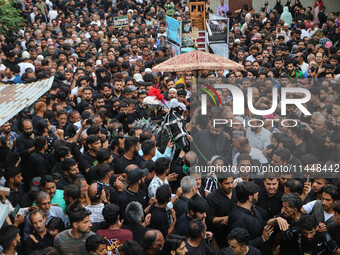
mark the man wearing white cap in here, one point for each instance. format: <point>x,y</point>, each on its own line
<point>26,63</point>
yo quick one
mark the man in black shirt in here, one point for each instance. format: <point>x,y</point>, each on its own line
<point>220,202</point>
<point>334,231</point>
<point>289,217</point>
<point>270,197</point>
<point>131,156</point>
<point>134,214</point>
<point>61,123</point>
<point>238,240</point>
<point>89,158</point>
<point>39,163</point>
<point>136,190</point>
<point>198,208</point>
<point>247,216</point>
<point>71,171</point>
<point>14,182</point>
<point>188,185</point>
<point>309,240</point>
<point>195,243</point>
<point>40,238</point>
<point>103,173</point>
<point>153,241</point>
<point>160,217</point>
<point>25,146</point>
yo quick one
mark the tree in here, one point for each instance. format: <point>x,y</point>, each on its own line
<point>10,19</point>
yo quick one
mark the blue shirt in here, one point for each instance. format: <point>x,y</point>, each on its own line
<point>167,154</point>
<point>224,8</point>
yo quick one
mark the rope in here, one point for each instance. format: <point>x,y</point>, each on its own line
<point>198,150</point>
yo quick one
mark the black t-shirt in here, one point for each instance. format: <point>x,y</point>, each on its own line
<point>86,161</point>
<point>122,162</point>
<point>44,242</point>
<point>334,232</point>
<point>127,196</point>
<point>321,244</point>
<point>182,225</point>
<point>272,204</point>
<point>138,232</point>
<point>202,249</point>
<point>181,206</point>
<point>159,219</point>
<point>62,183</point>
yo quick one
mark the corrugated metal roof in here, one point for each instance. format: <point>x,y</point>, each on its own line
<point>14,98</point>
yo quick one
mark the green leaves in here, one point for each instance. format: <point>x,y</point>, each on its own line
<point>10,18</point>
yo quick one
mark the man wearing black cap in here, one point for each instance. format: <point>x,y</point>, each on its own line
<point>28,199</point>
<point>136,190</point>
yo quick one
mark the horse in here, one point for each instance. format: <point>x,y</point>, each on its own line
<point>170,128</point>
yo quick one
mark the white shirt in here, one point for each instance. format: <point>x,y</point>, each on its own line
<point>304,34</point>
<point>254,154</point>
<point>52,15</point>
<point>96,210</point>
<point>304,67</point>
<point>24,66</point>
<point>312,32</point>
<point>260,140</point>
<point>309,208</point>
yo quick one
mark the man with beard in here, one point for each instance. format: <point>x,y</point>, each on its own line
<point>198,208</point>
<point>221,201</point>
<point>98,101</point>
<point>25,146</point>
<point>85,100</point>
<point>332,144</point>
<point>245,215</point>
<point>64,128</point>
<point>131,156</point>
<point>40,238</point>
<point>71,171</point>
<point>82,53</point>
<point>136,190</point>
<point>90,156</point>
<point>258,136</point>
<point>335,230</point>
<point>11,136</point>
<point>153,242</point>
<point>238,240</point>
<point>14,182</point>
<point>117,147</point>
<point>39,164</point>
<point>57,196</point>
<point>72,241</point>
<point>331,151</point>
<point>175,245</point>
<point>213,141</point>
<point>106,91</point>
<point>117,88</point>
<point>10,240</point>
<point>322,210</point>
<point>289,218</point>
<point>309,239</point>
<point>134,54</point>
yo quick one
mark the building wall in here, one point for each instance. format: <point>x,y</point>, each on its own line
<point>331,5</point>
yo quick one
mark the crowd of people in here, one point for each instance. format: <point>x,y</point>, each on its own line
<point>78,176</point>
